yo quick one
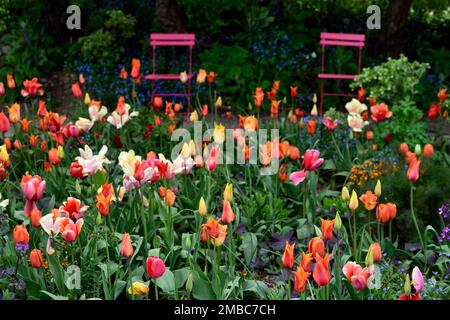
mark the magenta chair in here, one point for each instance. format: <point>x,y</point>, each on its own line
<point>171,39</point>
<point>338,39</point>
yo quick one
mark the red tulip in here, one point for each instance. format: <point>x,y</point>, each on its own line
<point>76,90</point>
<point>294,92</point>
<point>155,267</point>
<point>316,246</point>
<point>72,208</point>
<point>321,274</point>
<point>413,170</point>
<point>380,112</point>
<point>135,68</point>
<point>4,122</point>
<point>434,111</point>
<point>76,170</point>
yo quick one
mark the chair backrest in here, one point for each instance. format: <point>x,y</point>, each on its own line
<point>342,39</point>
<point>172,39</point>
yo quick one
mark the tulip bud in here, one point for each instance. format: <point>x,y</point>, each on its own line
<point>377,190</point>
<point>228,193</point>
<point>428,151</point>
<point>187,241</point>
<point>418,150</point>
<point>317,231</point>
<point>60,152</point>
<point>77,187</point>
<point>337,222</point>
<point>98,220</point>
<point>87,98</point>
<point>218,103</point>
<point>345,195</point>
<point>369,258</point>
<point>189,283</point>
<point>202,207</point>
<point>353,205</point>
<point>407,286</point>
<point>315,98</point>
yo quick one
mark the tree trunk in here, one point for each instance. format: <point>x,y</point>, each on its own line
<point>392,30</point>
<point>169,17</point>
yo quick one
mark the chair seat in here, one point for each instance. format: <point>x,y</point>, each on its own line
<point>336,76</point>
<point>165,76</point>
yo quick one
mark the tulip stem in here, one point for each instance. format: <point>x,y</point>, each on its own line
<point>354,234</point>
<point>288,284</point>
<point>415,220</point>
<point>156,290</point>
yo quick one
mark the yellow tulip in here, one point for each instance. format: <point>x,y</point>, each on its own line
<point>4,155</point>
<point>219,134</point>
<point>87,98</point>
<point>202,207</point>
<point>186,151</point>
<point>353,205</point>
<point>228,193</point>
<point>345,194</point>
<point>218,103</point>
<point>377,190</point>
<point>138,288</point>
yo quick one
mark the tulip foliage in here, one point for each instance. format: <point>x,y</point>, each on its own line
<point>109,203</point>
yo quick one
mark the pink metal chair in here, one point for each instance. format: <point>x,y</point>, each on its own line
<point>338,39</point>
<point>171,39</point>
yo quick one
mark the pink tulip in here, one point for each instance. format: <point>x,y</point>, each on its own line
<point>155,267</point>
<point>417,280</point>
<point>213,159</point>
<point>311,159</point>
<point>297,177</point>
<point>413,170</point>
<point>33,188</point>
<point>356,275</point>
<point>69,229</point>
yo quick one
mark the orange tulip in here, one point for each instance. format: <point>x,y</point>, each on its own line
<point>211,77</point>
<point>321,274</point>
<point>409,157</point>
<point>123,73</point>
<point>311,127</point>
<point>17,144</point>
<point>126,249</point>
<point>307,258</point>
<point>227,212</point>
<point>42,110</point>
<point>135,68</point>
<point>316,246</point>
<point>369,200</point>
<point>168,195</point>
<point>428,151</point>
<point>53,156</point>
<point>274,108</point>
<point>288,256</point>
<point>157,102</point>
<point>10,80</point>
<point>375,248</point>
<point>25,124</point>
<point>300,279</point>
<point>14,113</point>
<point>21,235</point>
<point>103,204</point>
<point>250,124</point>
<point>294,153</point>
<point>442,95</point>
<point>35,217</point>
<point>386,212</point>
<point>36,259</point>
<point>327,229</point>
<point>404,148</point>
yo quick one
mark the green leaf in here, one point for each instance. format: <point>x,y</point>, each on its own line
<point>249,246</point>
<point>166,282</point>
